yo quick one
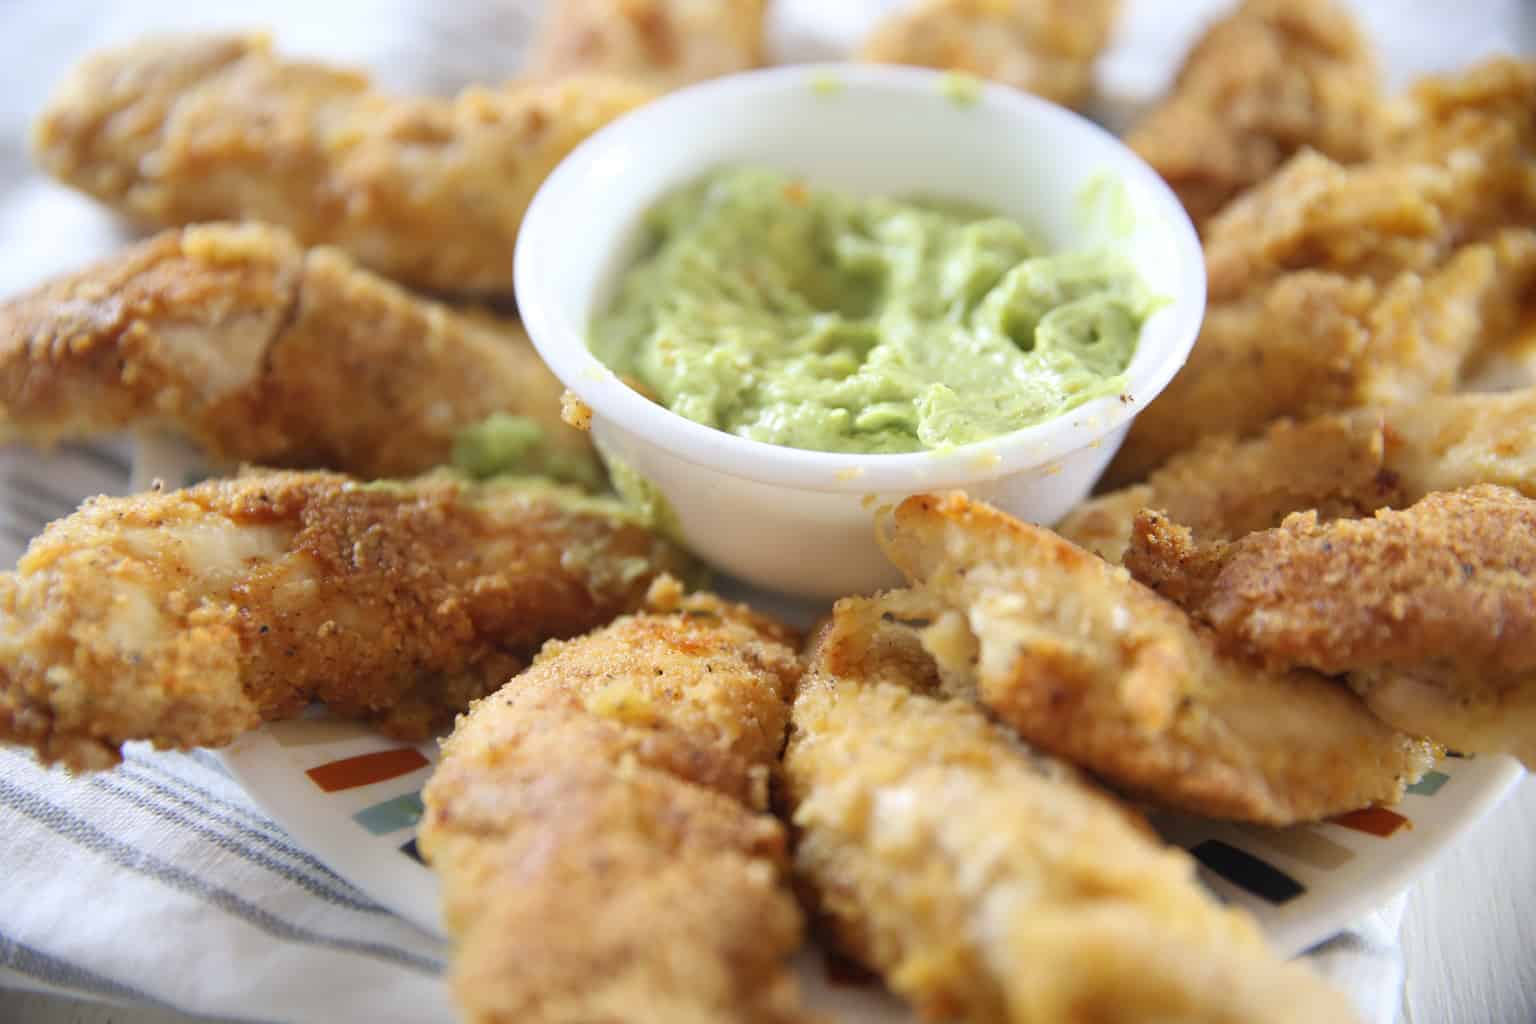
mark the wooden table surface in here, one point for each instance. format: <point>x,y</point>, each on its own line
<point>1469,937</point>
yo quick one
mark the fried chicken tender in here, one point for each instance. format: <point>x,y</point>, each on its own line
<point>1092,666</point>
<point>262,351</point>
<point>664,43</point>
<point>600,826</point>
<point>1315,342</point>
<point>1272,79</point>
<point>188,617</point>
<point>986,882</point>
<point>1047,47</point>
<point>1440,594</point>
<point>1340,465</point>
<point>1333,287</point>
<point>178,129</point>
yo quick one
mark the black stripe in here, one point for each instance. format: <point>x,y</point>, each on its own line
<point>1248,872</point>
<point>229,844</point>
<point>83,833</point>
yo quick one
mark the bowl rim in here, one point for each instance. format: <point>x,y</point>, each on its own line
<point>563,347</point>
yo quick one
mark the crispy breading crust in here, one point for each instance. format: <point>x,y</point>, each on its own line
<point>178,129</point>
<point>187,617</point>
<point>1222,488</point>
<point>1333,287</point>
<point>1094,667</point>
<point>264,352</point>
<point>664,43</point>
<point>986,882</point>
<point>1315,342</point>
<point>1269,80</point>
<point>1441,592</point>
<point>600,828</point>
<point>1341,465</point>
<point>1047,47</point>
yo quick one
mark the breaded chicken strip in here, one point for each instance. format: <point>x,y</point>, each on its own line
<point>600,826</point>
<point>1486,108</point>
<point>1456,170</point>
<point>188,617</point>
<point>988,883</point>
<point>1092,666</point>
<point>663,43</point>
<point>1047,47</point>
<point>1341,465</point>
<point>1225,488</point>
<point>1314,342</point>
<point>1333,287</point>
<point>173,130</point>
<point>262,351</point>
<point>1271,79</point>
<point>1442,593</point>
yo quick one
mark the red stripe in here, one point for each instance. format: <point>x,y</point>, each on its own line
<point>1377,821</point>
<point>366,769</point>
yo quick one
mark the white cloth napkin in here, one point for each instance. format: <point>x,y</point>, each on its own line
<point>162,882</point>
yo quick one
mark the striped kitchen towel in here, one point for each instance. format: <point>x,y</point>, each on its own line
<point>162,882</point>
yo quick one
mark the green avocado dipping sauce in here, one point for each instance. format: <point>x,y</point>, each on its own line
<point>812,319</point>
<point>506,445</point>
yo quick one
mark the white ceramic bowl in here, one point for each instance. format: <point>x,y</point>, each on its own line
<point>801,521</point>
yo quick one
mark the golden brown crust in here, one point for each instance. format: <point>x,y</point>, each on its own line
<point>1440,592</point>
<point>264,352</point>
<point>1333,287</point>
<point>1223,488</point>
<point>1446,581</point>
<point>664,43</point>
<point>600,828</point>
<point>187,617</point>
<point>1340,465</point>
<point>1047,47</point>
<point>1272,79</point>
<point>1094,667</point>
<point>986,882</point>
<point>1313,342</point>
<point>174,130</point>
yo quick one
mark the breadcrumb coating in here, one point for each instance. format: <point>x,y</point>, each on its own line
<point>1047,47</point>
<point>1092,666</point>
<point>262,351</point>
<point>1340,465</point>
<point>1270,80</point>
<point>987,882</point>
<point>1335,287</point>
<point>178,129</point>
<point>663,43</point>
<point>188,617</point>
<point>600,826</point>
<point>1440,593</point>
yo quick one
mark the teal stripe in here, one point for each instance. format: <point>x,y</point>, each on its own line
<point>1430,784</point>
<point>391,815</point>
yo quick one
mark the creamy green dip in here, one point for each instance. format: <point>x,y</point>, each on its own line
<point>812,319</point>
<point>506,445</point>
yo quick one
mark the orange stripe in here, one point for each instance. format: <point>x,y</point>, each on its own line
<point>1378,821</point>
<point>367,769</point>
